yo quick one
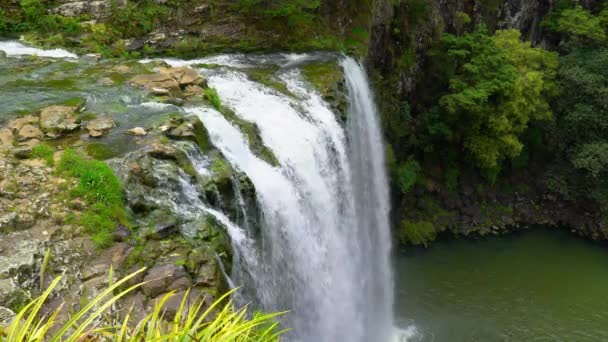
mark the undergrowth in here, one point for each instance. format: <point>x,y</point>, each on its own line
<point>192,322</point>
<point>101,189</point>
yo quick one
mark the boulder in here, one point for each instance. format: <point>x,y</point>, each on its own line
<point>137,131</point>
<point>6,317</point>
<point>17,124</point>
<point>157,83</point>
<point>100,126</point>
<point>183,75</point>
<point>160,277</point>
<point>28,132</point>
<point>59,119</point>
<point>3,54</point>
<point>161,151</point>
<point>6,139</point>
<point>173,304</point>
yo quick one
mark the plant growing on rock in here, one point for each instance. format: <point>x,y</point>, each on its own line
<point>101,189</point>
<point>192,322</point>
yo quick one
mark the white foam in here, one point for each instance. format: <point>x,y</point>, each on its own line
<point>18,49</point>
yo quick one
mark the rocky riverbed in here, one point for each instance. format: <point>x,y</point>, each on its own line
<point>40,215</point>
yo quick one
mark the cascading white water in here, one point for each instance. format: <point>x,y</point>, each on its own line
<point>13,48</point>
<point>323,250</point>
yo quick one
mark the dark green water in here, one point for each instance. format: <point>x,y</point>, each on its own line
<point>542,285</point>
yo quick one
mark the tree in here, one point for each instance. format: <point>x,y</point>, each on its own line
<point>497,84</point>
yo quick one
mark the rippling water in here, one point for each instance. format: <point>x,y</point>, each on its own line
<point>543,285</point>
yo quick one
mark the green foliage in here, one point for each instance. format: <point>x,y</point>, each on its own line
<point>497,85</point>
<point>136,18</point>
<point>45,152</point>
<point>407,175</point>
<point>297,12</point>
<point>194,321</point>
<point>214,98</point>
<point>101,189</point>
<point>592,157</point>
<point>579,24</point>
<point>417,233</point>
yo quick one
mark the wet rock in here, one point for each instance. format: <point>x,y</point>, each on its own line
<point>160,278</point>
<point>161,151</point>
<point>173,304</point>
<point>193,90</point>
<point>17,124</point>
<point>105,81</point>
<point>57,120</point>
<point>6,317</point>
<point>121,69</point>
<point>100,126</point>
<point>2,54</point>
<point>6,139</point>
<point>137,131</point>
<point>162,223</point>
<point>22,152</point>
<point>190,128</point>
<point>29,132</point>
<point>121,233</point>
<point>183,75</point>
<point>157,83</point>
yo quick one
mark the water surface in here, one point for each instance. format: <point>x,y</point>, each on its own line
<point>542,285</point>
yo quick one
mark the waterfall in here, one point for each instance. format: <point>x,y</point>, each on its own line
<point>323,249</point>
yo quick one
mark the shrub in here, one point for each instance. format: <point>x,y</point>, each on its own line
<point>417,233</point>
<point>192,322</point>
<point>407,175</point>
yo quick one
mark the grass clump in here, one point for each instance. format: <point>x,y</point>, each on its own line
<point>101,189</point>
<point>192,322</point>
<point>45,152</point>
<point>214,98</point>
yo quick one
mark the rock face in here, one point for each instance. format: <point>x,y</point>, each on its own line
<point>35,219</point>
<point>97,9</point>
<point>57,120</point>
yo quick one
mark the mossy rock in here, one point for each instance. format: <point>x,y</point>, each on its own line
<point>267,77</point>
<point>252,133</point>
<point>328,79</point>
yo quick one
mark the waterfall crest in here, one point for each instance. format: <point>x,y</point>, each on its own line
<point>322,248</point>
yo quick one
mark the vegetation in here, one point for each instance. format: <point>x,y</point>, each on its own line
<point>192,322</point>
<point>45,152</point>
<point>103,193</point>
<point>497,85</point>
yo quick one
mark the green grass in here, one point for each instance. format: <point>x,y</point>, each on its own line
<point>192,322</point>
<point>214,98</point>
<point>45,152</point>
<point>101,189</point>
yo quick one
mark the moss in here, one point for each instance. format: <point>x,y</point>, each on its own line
<point>250,130</point>
<point>417,232</point>
<point>74,102</point>
<point>266,76</point>
<point>328,79</point>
